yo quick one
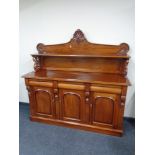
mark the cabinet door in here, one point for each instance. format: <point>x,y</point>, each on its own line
<point>72,105</point>
<point>43,103</point>
<point>104,109</point>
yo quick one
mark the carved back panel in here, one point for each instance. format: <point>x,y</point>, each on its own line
<point>79,45</point>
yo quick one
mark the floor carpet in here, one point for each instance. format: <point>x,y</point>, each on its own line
<point>42,139</point>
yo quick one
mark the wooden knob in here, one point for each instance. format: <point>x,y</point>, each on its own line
<point>87,99</point>
<point>55,90</point>
<point>56,96</point>
<point>122,104</point>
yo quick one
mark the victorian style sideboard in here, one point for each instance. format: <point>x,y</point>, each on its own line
<point>80,85</point>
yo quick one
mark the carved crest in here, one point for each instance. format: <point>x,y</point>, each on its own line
<point>78,36</point>
<point>79,44</point>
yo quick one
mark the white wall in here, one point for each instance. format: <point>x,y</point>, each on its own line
<point>54,21</point>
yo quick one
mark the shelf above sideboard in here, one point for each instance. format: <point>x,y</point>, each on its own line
<point>80,56</point>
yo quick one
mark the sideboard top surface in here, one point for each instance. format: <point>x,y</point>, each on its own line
<point>98,78</point>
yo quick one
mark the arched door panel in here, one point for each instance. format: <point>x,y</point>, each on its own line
<point>44,105</point>
<point>104,109</point>
<point>72,105</point>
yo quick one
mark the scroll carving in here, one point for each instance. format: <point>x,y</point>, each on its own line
<point>123,100</point>
<point>29,89</point>
<point>125,67</point>
<point>40,48</point>
<point>124,48</point>
<point>36,60</point>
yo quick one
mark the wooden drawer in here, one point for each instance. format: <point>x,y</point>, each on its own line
<point>113,90</point>
<point>40,83</point>
<point>76,86</point>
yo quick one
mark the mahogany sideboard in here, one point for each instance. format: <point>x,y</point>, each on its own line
<point>80,85</point>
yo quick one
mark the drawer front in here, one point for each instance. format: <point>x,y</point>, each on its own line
<point>77,86</point>
<point>41,83</point>
<point>94,88</point>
